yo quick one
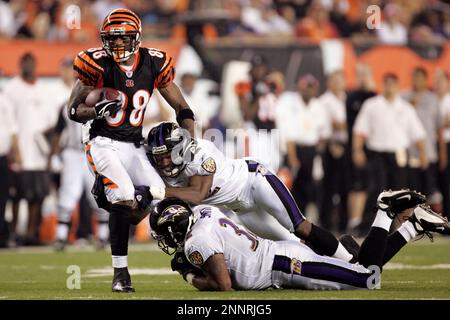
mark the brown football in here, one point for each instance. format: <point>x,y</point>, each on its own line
<point>96,95</point>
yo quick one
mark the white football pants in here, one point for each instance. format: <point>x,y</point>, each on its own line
<point>123,165</point>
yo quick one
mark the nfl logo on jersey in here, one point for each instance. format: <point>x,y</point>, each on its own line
<point>129,83</point>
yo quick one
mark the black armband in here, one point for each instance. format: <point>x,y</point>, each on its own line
<point>185,114</point>
<point>72,111</point>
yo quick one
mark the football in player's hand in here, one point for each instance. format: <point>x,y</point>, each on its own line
<point>99,94</point>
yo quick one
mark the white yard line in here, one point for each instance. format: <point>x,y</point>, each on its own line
<point>402,266</point>
<point>108,271</point>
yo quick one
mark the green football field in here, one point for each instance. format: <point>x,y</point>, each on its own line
<point>420,271</point>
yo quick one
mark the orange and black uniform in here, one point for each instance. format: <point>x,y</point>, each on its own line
<point>153,69</point>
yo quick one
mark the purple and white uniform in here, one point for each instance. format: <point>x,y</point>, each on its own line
<point>255,263</point>
<point>263,203</point>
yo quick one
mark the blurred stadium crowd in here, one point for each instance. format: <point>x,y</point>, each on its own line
<point>421,21</point>
<point>339,146</point>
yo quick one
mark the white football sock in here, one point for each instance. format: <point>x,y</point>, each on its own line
<point>120,261</point>
<point>62,231</point>
<point>382,220</point>
<point>408,231</point>
<point>342,253</point>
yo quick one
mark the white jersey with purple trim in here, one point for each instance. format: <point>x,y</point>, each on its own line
<point>249,258</point>
<point>230,175</point>
<point>255,263</point>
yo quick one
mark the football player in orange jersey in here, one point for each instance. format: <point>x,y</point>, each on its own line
<point>114,147</point>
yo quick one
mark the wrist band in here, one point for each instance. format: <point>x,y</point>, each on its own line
<point>190,278</point>
<point>185,114</point>
<point>158,193</point>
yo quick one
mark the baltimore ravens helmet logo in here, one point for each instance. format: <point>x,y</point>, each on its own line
<point>170,213</point>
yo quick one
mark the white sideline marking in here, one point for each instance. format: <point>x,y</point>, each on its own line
<point>108,271</point>
<point>47,267</point>
<point>402,266</point>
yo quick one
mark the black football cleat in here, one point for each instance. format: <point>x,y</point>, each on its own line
<point>426,221</point>
<point>395,202</point>
<point>351,245</point>
<point>122,281</point>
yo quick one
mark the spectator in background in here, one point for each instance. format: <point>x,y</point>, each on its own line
<point>75,176</point>
<point>102,8</point>
<point>249,93</point>
<point>387,125</point>
<point>30,108</point>
<point>299,7</point>
<point>7,24</point>
<point>365,89</point>
<point>61,89</point>
<point>258,102</point>
<point>305,133</point>
<point>426,105</point>
<point>335,157</point>
<point>392,30</point>
<point>267,104</point>
<point>200,95</point>
<point>76,179</point>
<point>316,26</point>
<point>261,18</point>
<point>338,15</point>
<point>427,26</point>
<point>36,18</point>
<point>266,145</point>
<point>446,23</point>
<point>9,156</point>
<point>441,88</point>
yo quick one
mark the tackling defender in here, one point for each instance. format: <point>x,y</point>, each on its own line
<point>223,255</point>
<point>244,186</point>
<point>114,148</point>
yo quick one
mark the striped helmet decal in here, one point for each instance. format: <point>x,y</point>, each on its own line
<point>124,19</point>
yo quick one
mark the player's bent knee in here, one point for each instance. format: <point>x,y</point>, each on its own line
<point>124,195</point>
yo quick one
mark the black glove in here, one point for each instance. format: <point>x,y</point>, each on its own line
<point>107,107</point>
<point>98,191</point>
<point>143,197</point>
<point>182,265</point>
